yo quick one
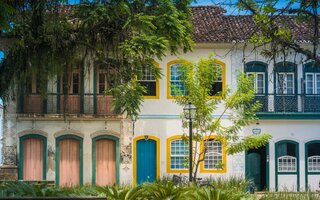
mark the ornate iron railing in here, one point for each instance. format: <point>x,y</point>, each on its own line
<point>297,103</point>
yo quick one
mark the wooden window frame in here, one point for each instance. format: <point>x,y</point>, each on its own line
<point>224,156</point>
<point>285,89</point>
<point>156,80</point>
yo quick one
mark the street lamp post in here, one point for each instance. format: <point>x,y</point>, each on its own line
<point>190,113</point>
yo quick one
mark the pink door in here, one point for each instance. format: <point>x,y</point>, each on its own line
<point>32,159</point>
<point>105,162</point>
<point>69,163</point>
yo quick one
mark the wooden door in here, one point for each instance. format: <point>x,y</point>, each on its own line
<point>105,162</point>
<point>146,161</point>
<point>33,159</point>
<point>69,162</point>
<point>254,171</point>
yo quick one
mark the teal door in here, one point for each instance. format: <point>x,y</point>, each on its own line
<point>254,169</point>
<point>146,160</point>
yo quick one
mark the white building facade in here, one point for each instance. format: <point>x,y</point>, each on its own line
<point>85,143</point>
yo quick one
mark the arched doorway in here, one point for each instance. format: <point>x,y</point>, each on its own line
<point>69,160</point>
<point>146,151</point>
<point>32,157</point>
<point>105,160</point>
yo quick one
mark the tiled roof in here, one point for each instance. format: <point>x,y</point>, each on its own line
<point>210,25</point>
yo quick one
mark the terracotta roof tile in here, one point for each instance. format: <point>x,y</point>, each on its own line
<point>211,25</point>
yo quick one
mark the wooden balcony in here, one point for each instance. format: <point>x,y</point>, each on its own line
<point>33,104</point>
<point>104,104</point>
<point>71,104</point>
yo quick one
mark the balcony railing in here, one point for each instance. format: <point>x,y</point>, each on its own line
<point>289,104</point>
<point>69,104</point>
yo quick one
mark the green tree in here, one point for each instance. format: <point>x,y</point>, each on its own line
<point>238,105</point>
<point>6,12</point>
<point>122,35</point>
<point>273,28</point>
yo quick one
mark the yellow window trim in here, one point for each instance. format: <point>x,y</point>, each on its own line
<point>157,140</point>
<point>157,86</point>
<point>213,97</point>
<point>169,170</point>
<point>224,157</point>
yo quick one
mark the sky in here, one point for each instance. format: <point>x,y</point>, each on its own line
<point>228,5</point>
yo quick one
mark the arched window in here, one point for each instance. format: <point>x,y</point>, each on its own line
<point>286,155</point>
<point>313,156</point>
<point>285,78</point>
<point>176,85</point>
<point>215,155</point>
<point>175,79</point>
<point>177,154</point>
<point>260,72</point>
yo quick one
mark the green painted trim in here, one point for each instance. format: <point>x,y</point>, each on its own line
<point>298,163</point>
<point>95,89</point>
<point>82,88</point>
<point>291,68</point>
<point>306,161</point>
<point>311,68</point>
<point>94,140</point>
<point>258,66</point>
<point>286,115</point>
<point>58,94</point>
<point>267,167</point>
<point>69,136</point>
<point>44,154</point>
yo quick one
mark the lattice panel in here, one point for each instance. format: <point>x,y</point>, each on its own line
<point>286,103</point>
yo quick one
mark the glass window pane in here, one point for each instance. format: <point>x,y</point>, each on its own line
<point>309,84</point>
<point>213,157</point>
<point>177,86</point>
<point>178,154</point>
<point>290,84</point>
<point>318,84</point>
<point>75,83</point>
<point>147,79</point>
<point>260,83</point>
<point>281,83</point>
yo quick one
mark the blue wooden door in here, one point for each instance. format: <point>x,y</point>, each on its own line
<point>146,161</point>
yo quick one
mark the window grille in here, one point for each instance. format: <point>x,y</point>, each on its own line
<point>147,79</point>
<point>314,164</point>
<point>213,156</point>
<point>287,164</point>
<point>176,80</point>
<point>178,154</point>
